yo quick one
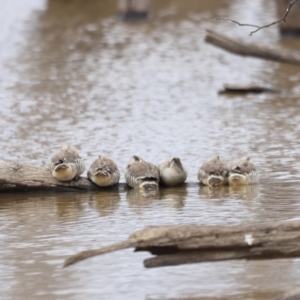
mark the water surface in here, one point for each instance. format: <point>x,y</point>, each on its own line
<point>71,73</point>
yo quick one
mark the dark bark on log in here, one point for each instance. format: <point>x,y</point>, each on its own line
<point>133,10</point>
<point>22,177</point>
<point>188,257</point>
<point>240,47</point>
<point>175,245</point>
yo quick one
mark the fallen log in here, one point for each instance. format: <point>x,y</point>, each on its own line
<point>22,177</point>
<point>175,245</point>
<point>247,88</point>
<point>243,48</point>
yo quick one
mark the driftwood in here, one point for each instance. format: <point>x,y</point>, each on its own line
<point>249,88</point>
<point>174,245</point>
<point>243,48</point>
<point>133,10</point>
<point>20,177</point>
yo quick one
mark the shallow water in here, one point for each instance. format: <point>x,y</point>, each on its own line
<point>71,73</point>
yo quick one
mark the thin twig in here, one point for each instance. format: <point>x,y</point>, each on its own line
<point>240,24</point>
<point>283,19</point>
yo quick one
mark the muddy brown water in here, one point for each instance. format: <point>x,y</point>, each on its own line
<point>71,73</point>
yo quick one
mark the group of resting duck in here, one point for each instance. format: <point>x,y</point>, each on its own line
<point>67,165</point>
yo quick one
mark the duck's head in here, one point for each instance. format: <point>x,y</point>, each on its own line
<point>65,156</point>
<point>101,171</point>
<point>62,170</point>
<point>60,165</point>
<point>239,173</point>
<point>217,171</point>
<point>215,157</point>
<point>134,159</point>
<point>176,162</point>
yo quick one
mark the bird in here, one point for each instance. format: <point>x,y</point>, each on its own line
<point>172,172</point>
<point>66,165</point>
<point>104,172</point>
<point>142,174</point>
<point>243,172</point>
<point>213,172</point>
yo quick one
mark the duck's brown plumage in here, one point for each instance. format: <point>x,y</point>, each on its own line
<point>66,164</point>
<point>172,172</point>
<point>213,172</point>
<point>243,172</point>
<point>140,172</point>
<point>66,155</point>
<point>244,165</point>
<point>104,172</point>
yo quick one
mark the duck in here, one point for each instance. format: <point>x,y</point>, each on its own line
<point>243,172</point>
<point>66,165</point>
<point>213,172</point>
<point>142,174</point>
<point>172,172</point>
<point>104,172</point>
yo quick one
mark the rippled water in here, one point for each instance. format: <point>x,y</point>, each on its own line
<point>71,73</point>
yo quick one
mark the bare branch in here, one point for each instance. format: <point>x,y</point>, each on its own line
<point>283,19</point>
<point>233,21</point>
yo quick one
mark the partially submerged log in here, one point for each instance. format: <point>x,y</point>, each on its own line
<point>133,10</point>
<point>243,48</point>
<point>174,245</point>
<point>247,88</point>
<point>23,177</point>
<point>19,177</point>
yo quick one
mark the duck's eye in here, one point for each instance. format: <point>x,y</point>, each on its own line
<point>60,161</point>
